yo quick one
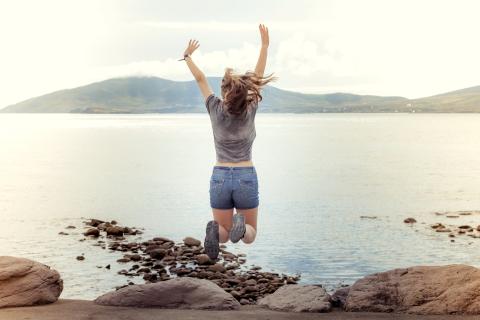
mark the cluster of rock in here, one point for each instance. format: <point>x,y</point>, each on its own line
<point>423,290</point>
<point>110,228</point>
<point>451,229</point>
<point>161,259</point>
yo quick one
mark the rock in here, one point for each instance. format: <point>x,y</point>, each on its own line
<point>443,230</point>
<point>94,222</point>
<point>298,298</point>
<point>63,233</point>
<point>157,253</point>
<point>70,227</point>
<point>179,293</point>
<point>217,267</point>
<point>409,220</point>
<point>114,231</point>
<point>339,297</point>
<point>420,290</point>
<point>80,258</point>
<point>189,241</point>
<point>24,282</point>
<point>92,232</point>
<point>203,259</point>
<point>162,239</point>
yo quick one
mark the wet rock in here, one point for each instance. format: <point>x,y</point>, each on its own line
<point>203,259</point>
<point>189,241</point>
<point>163,239</point>
<point>420,290</point>
<point>94,222</point>
<point>178,293</point>
<point>80,258</point>
<point>24,282</point>
<point>114,231</point>
<point>70,227</point>
<point>298,298</point>
<point>63,233</point>
<point>158,253</point>
<point>409,220</point>
<point>217,267</point>
<point>92,232</point>
<point>339,297</point>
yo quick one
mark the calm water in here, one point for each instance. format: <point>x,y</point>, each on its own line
<point>317,175</point>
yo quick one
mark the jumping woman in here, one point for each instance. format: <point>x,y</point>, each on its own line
<point>233,183</point>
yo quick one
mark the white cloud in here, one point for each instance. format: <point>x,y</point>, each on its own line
<point>409,48</point>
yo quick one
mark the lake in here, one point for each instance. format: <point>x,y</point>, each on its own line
<point>318,175</point>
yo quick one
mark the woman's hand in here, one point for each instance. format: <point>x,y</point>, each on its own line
<point>264,35</point>
<point>192,46</point>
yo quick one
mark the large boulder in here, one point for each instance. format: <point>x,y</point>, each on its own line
<point>421,290</point>
<point>179,293</point>
<point>24,282</point>
<point>298,298</point>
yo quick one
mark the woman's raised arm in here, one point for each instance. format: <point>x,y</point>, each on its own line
<point>262,59</point>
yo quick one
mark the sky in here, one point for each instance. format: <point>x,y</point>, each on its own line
<point>383,47</point>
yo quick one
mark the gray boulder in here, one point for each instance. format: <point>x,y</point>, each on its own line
<point>24,282</point>
<point>298,298</point>
<point>420,290</point>
<point>179,293</point>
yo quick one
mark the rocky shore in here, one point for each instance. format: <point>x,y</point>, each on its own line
<point>180,278</point>
<point>161,259</point>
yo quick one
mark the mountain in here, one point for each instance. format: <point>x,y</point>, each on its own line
<point>158,95</point>
<point>465,100</point>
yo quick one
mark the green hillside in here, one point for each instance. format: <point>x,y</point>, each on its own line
<point>158,95</point>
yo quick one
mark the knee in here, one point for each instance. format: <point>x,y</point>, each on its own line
<point>223,234</point>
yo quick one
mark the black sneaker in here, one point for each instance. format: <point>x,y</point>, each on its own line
<point>212,238</point>
<point>238,228</point>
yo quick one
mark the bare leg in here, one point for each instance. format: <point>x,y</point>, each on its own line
<point>224,219</point>
<point>250,224</point>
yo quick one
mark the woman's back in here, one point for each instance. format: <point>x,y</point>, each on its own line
<point>233,134</point>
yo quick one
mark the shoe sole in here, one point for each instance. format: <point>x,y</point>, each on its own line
<point>238,228</point>
<point>212,239</point>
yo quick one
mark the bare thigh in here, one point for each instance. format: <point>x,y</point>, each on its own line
<point>250,216</point>
<point>223,217</point>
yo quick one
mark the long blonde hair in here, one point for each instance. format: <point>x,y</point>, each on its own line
<point>241,90</point>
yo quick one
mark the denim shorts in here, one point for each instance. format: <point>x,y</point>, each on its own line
<point>234,187</point>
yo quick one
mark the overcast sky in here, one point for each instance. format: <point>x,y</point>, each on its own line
<point>408,48</point>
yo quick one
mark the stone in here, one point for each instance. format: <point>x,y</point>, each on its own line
<point>422,290</point>
<point>410,220</point>
<point>24,282</point>
<point>339,297</point>
<point>189,241</point>
<point>94,232</point>
<point>114,231</point>
<point>298,298</point>
<point>157,253</point>
<point>203,259</point>
<point>217,267</point>
<point>178,293</point>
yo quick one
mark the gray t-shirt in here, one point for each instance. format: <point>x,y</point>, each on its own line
<point>233,135</point>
